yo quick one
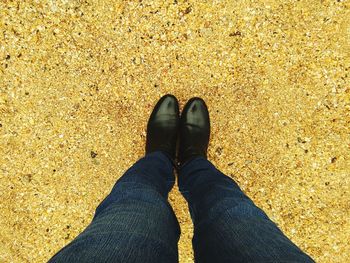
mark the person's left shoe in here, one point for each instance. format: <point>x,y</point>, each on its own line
<point>162,127</point>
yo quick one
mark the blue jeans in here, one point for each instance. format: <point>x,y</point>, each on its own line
<point>135,222</point>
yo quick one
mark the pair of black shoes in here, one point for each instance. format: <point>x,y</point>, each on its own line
<point>165,126</point>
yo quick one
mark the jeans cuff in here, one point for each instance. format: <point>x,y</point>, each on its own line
<point>164,156</point>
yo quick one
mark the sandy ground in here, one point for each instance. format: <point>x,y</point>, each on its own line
<point>78,80</point>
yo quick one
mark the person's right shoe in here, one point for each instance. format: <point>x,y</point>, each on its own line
<point>194,130</point>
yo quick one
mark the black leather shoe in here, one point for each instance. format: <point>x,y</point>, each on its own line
<point>162,127</point>
<point>194,130</point>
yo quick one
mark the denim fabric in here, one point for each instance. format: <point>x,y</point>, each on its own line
<point>135,222</point>
<point>228,227</point>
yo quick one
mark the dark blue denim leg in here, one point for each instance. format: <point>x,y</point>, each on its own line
<point>228,227</point>
<point>135,222</point>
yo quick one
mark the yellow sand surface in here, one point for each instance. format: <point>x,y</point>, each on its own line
<point>78,80</point>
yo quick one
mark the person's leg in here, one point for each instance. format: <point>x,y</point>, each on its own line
<point>135,222</point>
<point>228,227</point>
